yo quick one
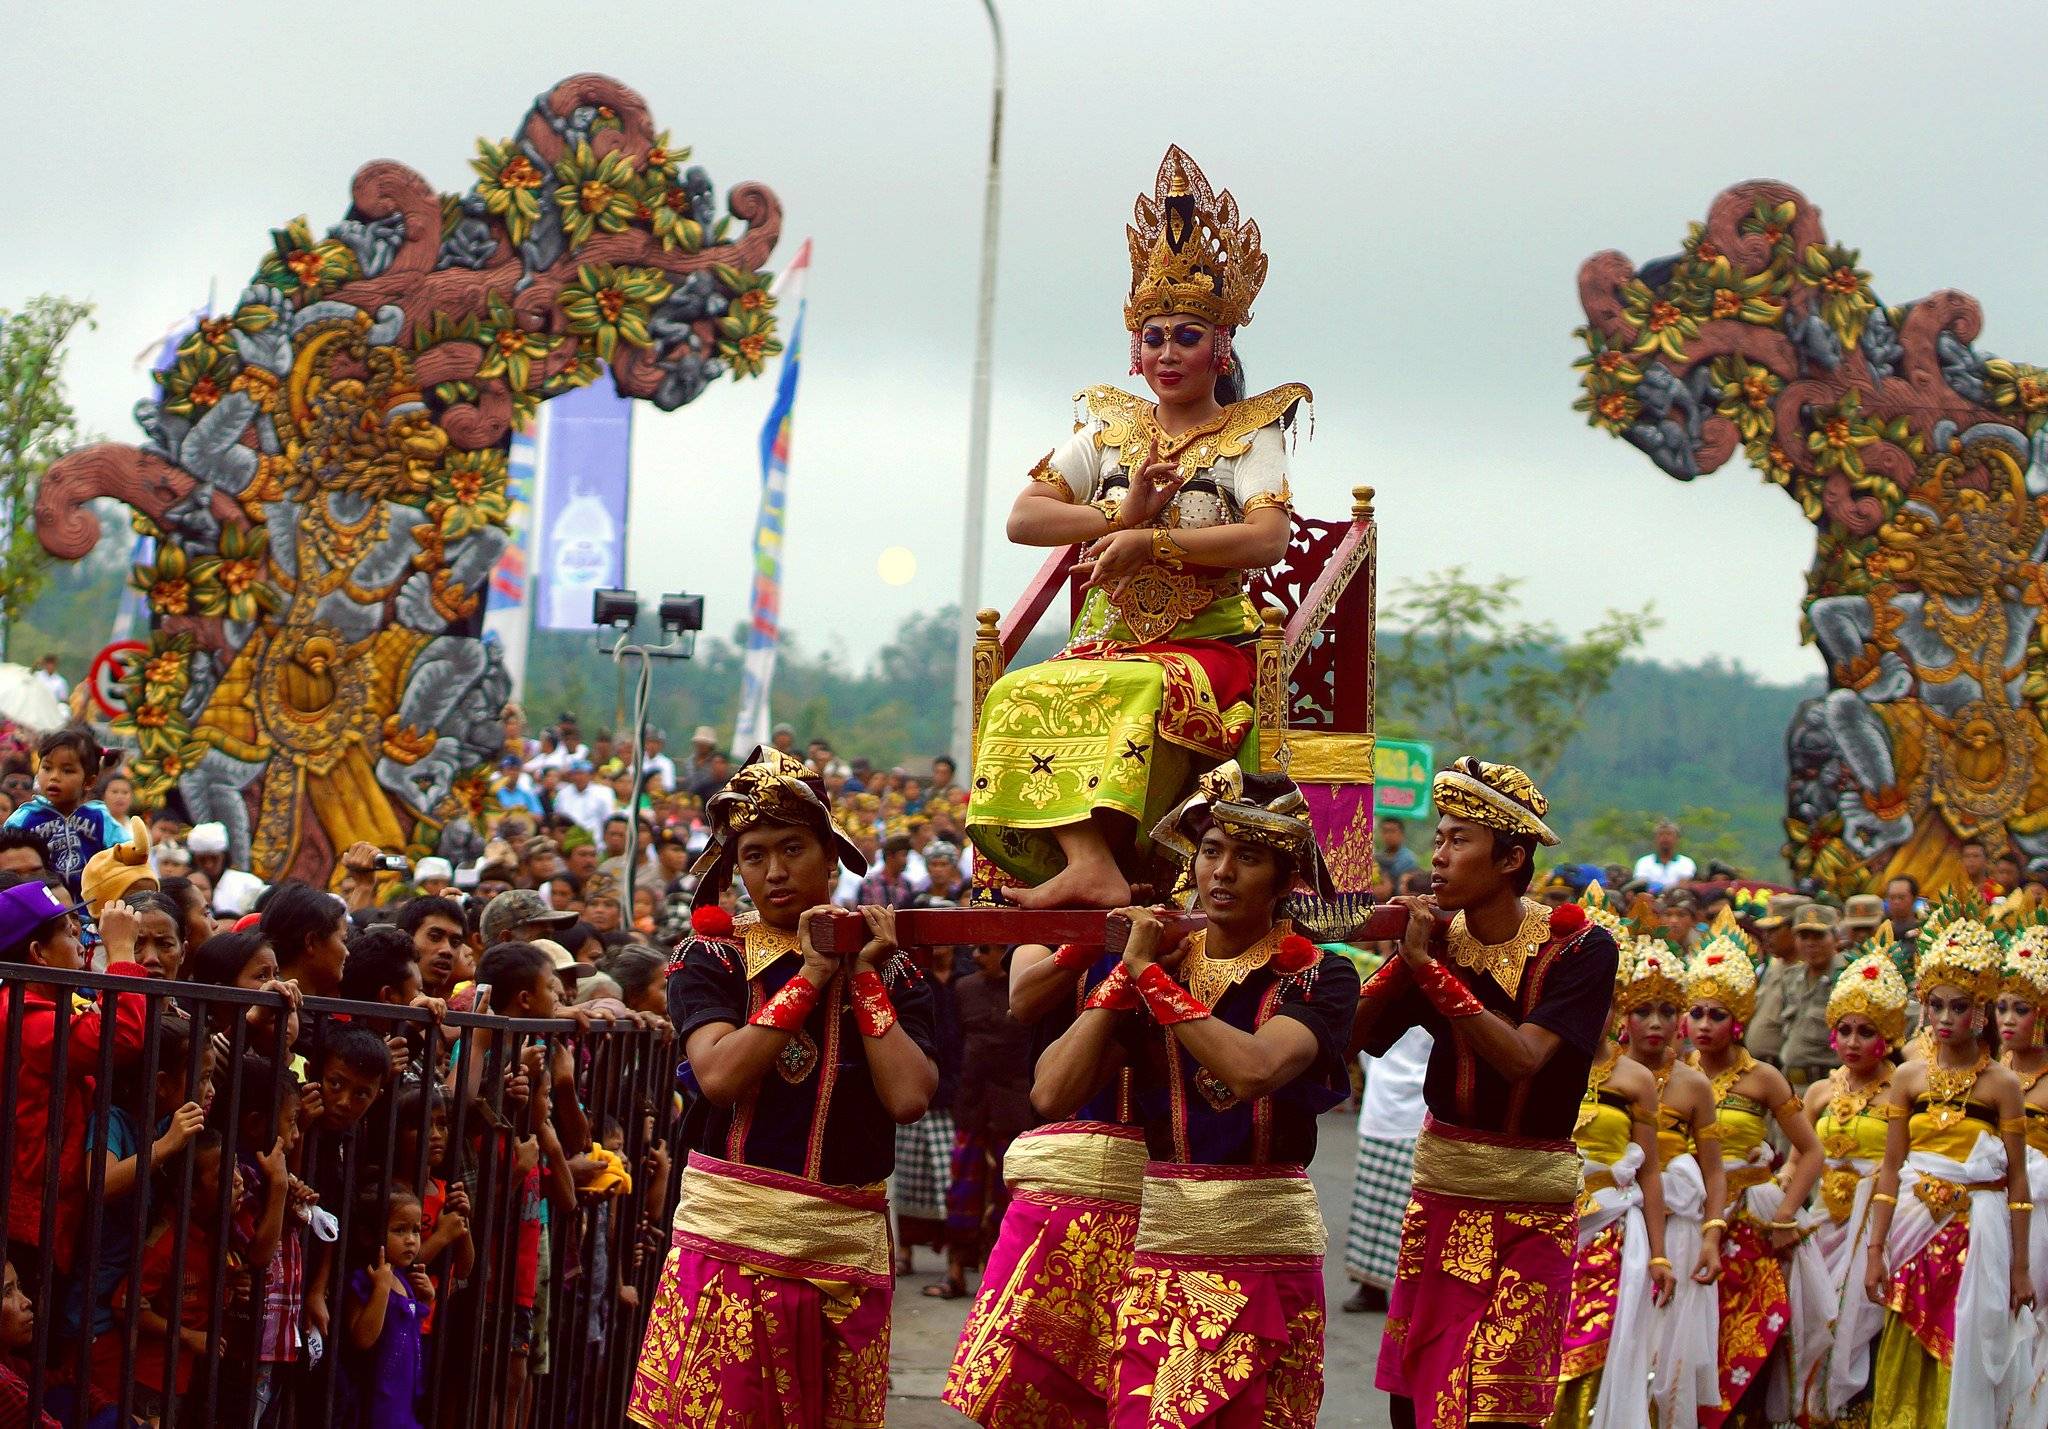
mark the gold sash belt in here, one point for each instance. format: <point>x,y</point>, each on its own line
<point>784,1224</point>
<point>1487,1166</point>
<point>1078,1159</point>
<point>1944,1197</point>
<point>1229,1211</point>
<point>1741,1178</point>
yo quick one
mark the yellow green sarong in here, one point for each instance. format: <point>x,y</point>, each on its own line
<point>1109,723</point>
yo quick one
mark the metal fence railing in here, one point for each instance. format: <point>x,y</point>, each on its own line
<point>139,1239</point>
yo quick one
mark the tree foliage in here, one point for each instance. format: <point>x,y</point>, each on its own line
<point>1464,670</point>
<point>37,426</point>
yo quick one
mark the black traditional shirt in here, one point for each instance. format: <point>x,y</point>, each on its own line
<point>1113,1103</point>
<point>815,1113</point>
<point>1190,1116</point>
<point>1566,986</point>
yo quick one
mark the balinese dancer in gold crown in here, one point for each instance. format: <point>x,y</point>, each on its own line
<point>1758,1304</point>
<point>2022,992</point>
<point>1234,1039</point>
<point>1851,1114</point>
<point>772,1311</point>
<point>1516,996</point>
<point>1948,1268</point>
<point>1175,497</point>
<point>1622,1272</point>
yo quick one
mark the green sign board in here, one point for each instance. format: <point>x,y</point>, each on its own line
<point>1401,771</point>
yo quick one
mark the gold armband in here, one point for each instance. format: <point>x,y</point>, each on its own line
<point>1883,1198</point>
<point>2019,1205</point>
<point>1791,1106</point>
<point>2012,1126</point>
<point>1708,1133</point>
<point>1046,474</point>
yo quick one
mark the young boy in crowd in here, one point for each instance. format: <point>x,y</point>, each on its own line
<point>274,1204</point>
<point>350,1069</point>
<point>73,828</point>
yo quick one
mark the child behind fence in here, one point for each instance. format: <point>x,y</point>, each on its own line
<point>382,1312</point>
<point>275,1206</point>
<point>444,1206</point>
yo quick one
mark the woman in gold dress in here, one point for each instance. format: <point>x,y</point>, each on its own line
<point>1756,1297</point>
<point>1850,1114</point>
<point>2022,992</point>
<point>1175,498</point>
<point>1949,1253</point>
<point>1684,1331</point>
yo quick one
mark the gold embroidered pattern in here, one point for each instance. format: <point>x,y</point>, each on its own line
<point>1503,962</point>
<point>765,945</point>
<point>1155,599</point>
<point>1131,429</point>
<point>1210,978</point>
<point>1046,474</point>
<point>1468,1247</point>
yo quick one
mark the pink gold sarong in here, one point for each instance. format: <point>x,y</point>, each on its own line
<point>1483,1283</point>
<point>1037,1347</point>
<point>1221,1319</point>
<point>773,1307</point>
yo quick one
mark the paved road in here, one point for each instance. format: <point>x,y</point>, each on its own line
<point>925,1330</point>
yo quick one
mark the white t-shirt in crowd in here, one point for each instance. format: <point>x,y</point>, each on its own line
<point>1392,1107</point>
<point>659,771</point>
<point>588,807</point>
<point>1660,876</point>
<point>55,683</point>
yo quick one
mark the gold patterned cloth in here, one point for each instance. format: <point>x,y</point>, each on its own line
<point>772,1311</point>
<point>1486,1166</point>
<point>1221,1318</point>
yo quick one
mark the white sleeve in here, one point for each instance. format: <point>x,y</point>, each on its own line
<point>1259,477</point>
<point>1074,465</point>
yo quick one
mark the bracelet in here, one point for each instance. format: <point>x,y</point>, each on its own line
<point>1072,957</point>
<point>790,1008</point>
<point>2019,1205</point>
<point>873,1013</point>
<point>1167,1000</point>
<point>1716,1224</point>
<point>1657,1260</point>
<point>1781,1225</point>
<point>1112,511</point>
<point>1446,993</point>
<point>1115,993</point>
<point>1883,1198</point>
<point>1165,551</point>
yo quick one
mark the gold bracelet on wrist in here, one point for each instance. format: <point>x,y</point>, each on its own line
<point>1715,1224</point>
<point>1112,510</point>
<point>1883,1198</point>
<point>1165,550</point>
<point>1660,1260</point>
<point>1782,1225</point>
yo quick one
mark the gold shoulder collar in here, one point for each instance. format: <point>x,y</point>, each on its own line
<point>765,946</point>
<point>1129,429</point>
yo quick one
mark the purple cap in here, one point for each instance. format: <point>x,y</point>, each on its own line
<point>26,907</point>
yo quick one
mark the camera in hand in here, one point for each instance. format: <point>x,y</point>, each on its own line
<point>393,863</point>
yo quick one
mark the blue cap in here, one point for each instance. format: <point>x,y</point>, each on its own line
<point>26,907</point>
<point>580,766</point>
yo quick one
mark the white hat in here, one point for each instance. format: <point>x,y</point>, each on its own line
<point>207,838</point>
<point>236,892</point>
<point>433,867</point>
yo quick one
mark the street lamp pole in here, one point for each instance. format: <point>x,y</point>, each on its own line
<point>977,422</point>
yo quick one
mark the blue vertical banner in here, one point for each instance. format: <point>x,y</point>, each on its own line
<point>508,616</point>
<point>580,544</point>
<point>764,619</point>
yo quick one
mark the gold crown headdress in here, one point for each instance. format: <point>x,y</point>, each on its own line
<point>1871,987</point>
<point>770,788</point>
<point>1651,970</point>
<point>1964,955</point>
<point>1498,796</point>
<point>1190,253</point>
<point>1600,910</point>
<point>2025,973</point>
<point>1281,823</point>
<point>1724,969</point>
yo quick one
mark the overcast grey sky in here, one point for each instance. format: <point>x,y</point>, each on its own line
<point>1427,176</point>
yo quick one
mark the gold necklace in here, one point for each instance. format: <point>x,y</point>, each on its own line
<point>1210,978</point>
<point>1844,1106</point>
<point>1503,962</point>
<point>1948,1088</point>
<point>2027,1083</point>
<point>765,944</point>
<point>1725,1082</point>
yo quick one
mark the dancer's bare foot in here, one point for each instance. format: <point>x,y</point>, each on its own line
<point>1078,885</point>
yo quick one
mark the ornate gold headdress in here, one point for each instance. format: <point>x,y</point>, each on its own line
<point>1965,955</point>
<point>1189,251</point>
<point>1651,970</point>
<point>1599,910</point>
<point>1871,987</point>
<point>1724,968</point>
<point>1281,823</point>
<point>2025,974</point>
<point>1498,796</point>
<point>770,788</point>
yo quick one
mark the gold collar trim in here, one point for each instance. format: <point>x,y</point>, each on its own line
<point>1503,962</point>
<point>1130,427</point>
<point>1210,978</point>
<point>765,945</point>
